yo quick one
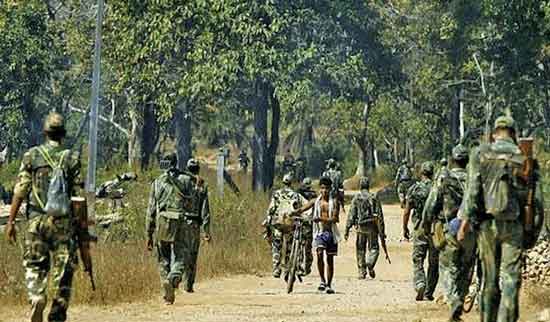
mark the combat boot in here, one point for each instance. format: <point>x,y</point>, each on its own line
<point>169,297</point>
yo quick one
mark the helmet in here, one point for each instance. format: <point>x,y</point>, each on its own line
<point>54,123</point>
<point>287,179</point>
<point>443,162</point>
<point>427,168</point>
<point>460,152</point>
<point>364,183</point>
<point>505,122</point>
<point>331,163</point>
<point>307,182</point>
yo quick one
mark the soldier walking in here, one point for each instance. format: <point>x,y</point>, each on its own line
<point>307,228</point>
<point>441,218</point>
<point>424,284</point>
<point>403,181</point>
<point>496,199</point>
<point>367,217</point>
<point>178,207</point>
<point>277,226</point>
<point>50,237</point>
<point>337,179</point>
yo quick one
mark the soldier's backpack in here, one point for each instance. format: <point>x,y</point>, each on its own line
<point>454,184</point>
<point>500,169</point>
<point>286,204</point>
<point>58,203</point>
<point>366,209</point>
<point>419,193</point>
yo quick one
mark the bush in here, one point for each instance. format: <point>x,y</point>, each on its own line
<point>125,271</point>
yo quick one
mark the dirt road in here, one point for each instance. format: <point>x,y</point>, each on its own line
<point>389,297</point>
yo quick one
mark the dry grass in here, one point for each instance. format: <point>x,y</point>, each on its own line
<point>125,271</point>
<point>536,296</point>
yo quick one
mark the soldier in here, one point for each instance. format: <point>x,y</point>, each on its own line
<point>50,244</point>
<point>278,229</point>
<point>300,169</point>
<point>243,161</point>
<point>309,194</point>
<point>288,166</point>
<point>178,206</point>
<point>326,215</point>
<point>441,212</point>
<point>367,217</point>
<point>337,179</point>
<point>403,181</point>
<point>494,201</point>
<point>422,245</point>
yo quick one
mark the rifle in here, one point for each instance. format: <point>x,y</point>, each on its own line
<point>528,175</point>
<point>382,240</point>
<point>84,238</point>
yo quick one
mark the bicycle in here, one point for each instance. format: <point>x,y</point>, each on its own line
<point>297,255</point>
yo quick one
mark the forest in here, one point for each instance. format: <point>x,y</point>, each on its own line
<point>367,82</point>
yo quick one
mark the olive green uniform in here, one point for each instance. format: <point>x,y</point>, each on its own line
<point>422,244</point>
<point>178,208</point>
<point>493,200</point>
<point>456,260</point>
<point>367,217</point>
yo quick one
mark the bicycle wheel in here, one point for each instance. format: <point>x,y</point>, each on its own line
<point>293,265</point>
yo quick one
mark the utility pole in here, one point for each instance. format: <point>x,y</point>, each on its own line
<point>92,134</point>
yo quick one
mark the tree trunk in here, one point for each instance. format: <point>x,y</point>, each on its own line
<point>184,134</point>
<point>259,141</point>
<point>264,152</point>
<point>150,135</point>
<point>135,139</point>
<point>33,123</point>
<point>365,150</point>
<point>454,119</point>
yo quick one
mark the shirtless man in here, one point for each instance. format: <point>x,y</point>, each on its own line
<point>325,231</point>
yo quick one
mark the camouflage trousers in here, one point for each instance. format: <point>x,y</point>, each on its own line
<point>423,248</point>
<point>500,250</point>
<point>277,242</point>
<point>367,239</point>
<point>456,264</point>
<point>178,260</point>
<point>49,248</point>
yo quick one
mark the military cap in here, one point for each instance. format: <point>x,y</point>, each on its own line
<point>307,182</point>
<point>54,122</point>
<point>505,122</point>
<point>460,152</point>
<point>287,178</point>
<point>364,183</point>
<point>192,163</point>
<point>427,168</point>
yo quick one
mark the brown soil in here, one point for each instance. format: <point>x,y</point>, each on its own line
<point>389,297</point>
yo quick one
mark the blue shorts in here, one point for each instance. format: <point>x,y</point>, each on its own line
<point>325,241</point>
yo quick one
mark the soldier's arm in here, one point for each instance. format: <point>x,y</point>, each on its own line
<point>352,217</point>
<point>432,206</point>
<point>473,193</point>
<point>150,223</point>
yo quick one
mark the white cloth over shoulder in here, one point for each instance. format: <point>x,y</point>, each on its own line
<point>317,214</point>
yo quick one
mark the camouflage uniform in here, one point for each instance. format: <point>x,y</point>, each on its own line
<point>493,200</point>
<point>404,181</point>
<point>456,260</point>
<point>367,216</point>
<point>50,244</point>
<point>307,227</point>
<point>278,236</point>
<point>337,178</point>
<point>422,244</point>
<point>178,207</point>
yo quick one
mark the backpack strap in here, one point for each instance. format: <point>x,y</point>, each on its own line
<point>51,163</point>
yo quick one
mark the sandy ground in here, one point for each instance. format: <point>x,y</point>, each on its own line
<point>389,297</point>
